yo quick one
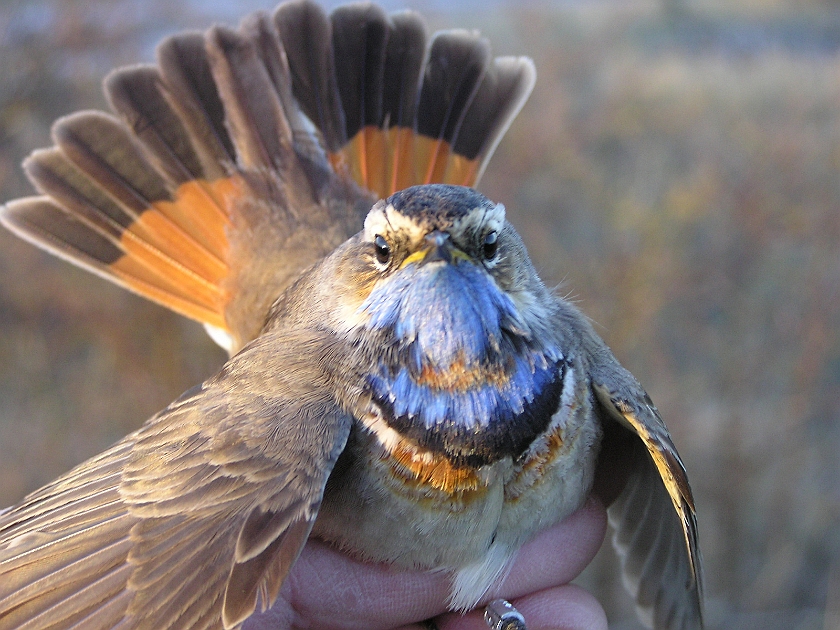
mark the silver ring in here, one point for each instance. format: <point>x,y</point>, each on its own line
<point>501,615</point>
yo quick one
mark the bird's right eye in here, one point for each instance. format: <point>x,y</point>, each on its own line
<point>383,250</point>
<point>491,245</point>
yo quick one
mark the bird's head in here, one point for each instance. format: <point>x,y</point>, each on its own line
<point>448,314</point>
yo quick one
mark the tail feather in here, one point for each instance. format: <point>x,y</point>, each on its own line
<point>104,150</point>
<point>306,35</point>
<point>500,96</point>
<point>42,222</point>
<point>144,102</point>
<point>403,65</point>
<point>99,146</point>
<point>192,93</point>
<point>241,141</point>
<point>360,38</point>
<point>457,63</point>
<point>138,95</point>
<point>109,214</point>
<point>260,28</point>
<point>254,112</point>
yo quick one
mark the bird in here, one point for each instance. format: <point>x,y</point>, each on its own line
<point>401,383</point>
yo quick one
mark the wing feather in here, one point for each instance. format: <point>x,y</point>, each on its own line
<point>654,516</point>
<point>194,519</point>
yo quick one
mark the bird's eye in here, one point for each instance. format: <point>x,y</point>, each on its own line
<point>383,250</point>
<point>491,245</point>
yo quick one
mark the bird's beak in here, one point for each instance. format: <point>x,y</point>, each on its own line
<point>438,247</point>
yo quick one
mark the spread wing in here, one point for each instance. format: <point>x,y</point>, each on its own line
<point>244,156</point>
<point>193,520</point>
<point>654,516</point>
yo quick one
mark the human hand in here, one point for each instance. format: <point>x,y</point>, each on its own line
<point>327,590</point>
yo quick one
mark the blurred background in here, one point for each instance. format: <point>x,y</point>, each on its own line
<point>676,172</point>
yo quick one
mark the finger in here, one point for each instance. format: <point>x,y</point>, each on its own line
<point>557,555</point>
<point>566,607</point>
<point>327,589</point>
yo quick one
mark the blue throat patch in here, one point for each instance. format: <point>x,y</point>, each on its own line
<point>459,374</point>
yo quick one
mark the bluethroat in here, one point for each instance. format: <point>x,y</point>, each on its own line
<point>402,383</point>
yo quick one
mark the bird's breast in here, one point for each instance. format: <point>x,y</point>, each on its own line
<point>452,368</point>
<point>471,415</point>
<point>395,501</point>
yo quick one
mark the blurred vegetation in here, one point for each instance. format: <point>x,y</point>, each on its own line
<point>675,172</point>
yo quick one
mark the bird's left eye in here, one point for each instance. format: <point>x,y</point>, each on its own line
<point>491,245</point>
<point>383,250</point>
